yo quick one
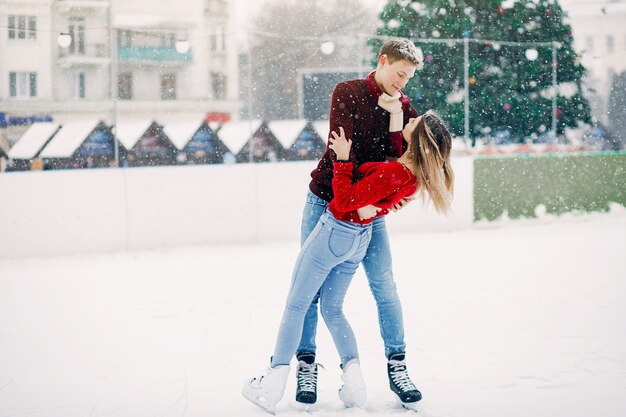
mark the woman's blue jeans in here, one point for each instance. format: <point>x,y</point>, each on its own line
<point>377,264</point>
<point>326,264</point>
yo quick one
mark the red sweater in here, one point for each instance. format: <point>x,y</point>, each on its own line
<point>383,185</point>
<point>354,107</point>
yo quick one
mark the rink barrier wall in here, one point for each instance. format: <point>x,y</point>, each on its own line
<point>68,212</point>
<point>525,187</point>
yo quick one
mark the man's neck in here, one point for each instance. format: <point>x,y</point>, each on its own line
<point>376,78</point>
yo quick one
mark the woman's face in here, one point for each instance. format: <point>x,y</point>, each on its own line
<point>407,132</point>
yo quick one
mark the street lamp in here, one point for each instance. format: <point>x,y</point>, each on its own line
<point>64,40</point>
<point>531,54</point>
<point>182,46</point>
<point>327,47</point>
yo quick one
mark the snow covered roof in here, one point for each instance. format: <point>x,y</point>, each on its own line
<point>322,127</point>
<point>286,131</point>
<point>69,138</point>
<point>33,140</point>
<point>128,132</point>
<point>180,133</point>
<point>215,126</point>
<point>236,134</point>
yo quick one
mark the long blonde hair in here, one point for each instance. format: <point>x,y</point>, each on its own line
<point>430,150</point>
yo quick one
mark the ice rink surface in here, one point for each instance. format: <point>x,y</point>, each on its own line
<point>518,319</point>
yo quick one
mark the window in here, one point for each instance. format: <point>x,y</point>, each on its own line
<point>125,85</point>
<point>78,85</point>
<point>168,86</point>
<point>23,84</point>
<point>22,27</point>
<point>219,85</point>
<point>77,32</point>
<point>610,43</point>
<point>218,40</point>
<point>167,39</point>
<point>124,38</point>
<point>12,31</point>
<point>32,27</point>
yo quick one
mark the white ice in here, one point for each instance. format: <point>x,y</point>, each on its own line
<point>522,319</point>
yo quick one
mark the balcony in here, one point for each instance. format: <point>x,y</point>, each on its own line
<point>152,54</point>
<point>90,54</point>
<point>83,6</point>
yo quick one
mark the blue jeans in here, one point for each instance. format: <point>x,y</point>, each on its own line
<point>326,264</point>
<point>377,264</point>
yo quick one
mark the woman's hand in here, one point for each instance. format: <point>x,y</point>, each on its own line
<point>340,145</point>
<point>367,212</point>
<point>402,203</point>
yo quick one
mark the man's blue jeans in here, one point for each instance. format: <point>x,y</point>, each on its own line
<point>377,264</point>
<point>326,264</point>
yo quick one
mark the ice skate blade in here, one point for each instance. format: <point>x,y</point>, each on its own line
<point>416,406</point>
<point>271,409</point>
<point>357,398</point>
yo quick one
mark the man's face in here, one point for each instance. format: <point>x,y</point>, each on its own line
<point>393,77</point>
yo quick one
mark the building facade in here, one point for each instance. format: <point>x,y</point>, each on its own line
<point>600,37</point>
<point>121,59</point>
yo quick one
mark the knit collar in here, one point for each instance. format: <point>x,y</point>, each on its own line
<point>375,91</point>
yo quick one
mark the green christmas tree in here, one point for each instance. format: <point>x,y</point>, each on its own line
<point>510,86</point>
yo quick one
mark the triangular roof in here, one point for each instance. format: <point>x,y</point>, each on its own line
<point>215,126</point>
<point>286,131</point>
<point>129,131</point>
<point>235,135</point>
<point>4,146</point>
<point>180,133</point>
<point>33,140</point>
<point>69,138</point>
<point>322,127</point>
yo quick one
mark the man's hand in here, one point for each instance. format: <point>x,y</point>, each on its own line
<point>367,212</point>
<point>402,203</point>
<point>340,145</point>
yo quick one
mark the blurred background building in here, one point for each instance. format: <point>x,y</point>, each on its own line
<point>69,59</point>
<point>599,31</point>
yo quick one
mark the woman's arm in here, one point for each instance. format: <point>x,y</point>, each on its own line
<point>342,108</point>
<point>371,189</point>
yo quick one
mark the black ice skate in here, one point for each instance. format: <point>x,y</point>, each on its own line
<point>306,378</point>
<point>401,384</point>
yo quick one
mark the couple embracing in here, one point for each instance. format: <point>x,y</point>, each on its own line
<point>380,155</point>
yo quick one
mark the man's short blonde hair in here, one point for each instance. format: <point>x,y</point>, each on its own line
<point>397,49</point>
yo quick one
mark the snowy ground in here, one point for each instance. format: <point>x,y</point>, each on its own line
<point>517,320</point>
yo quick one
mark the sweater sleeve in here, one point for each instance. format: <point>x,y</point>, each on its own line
<point>372,189</point>
<point>342,108</point>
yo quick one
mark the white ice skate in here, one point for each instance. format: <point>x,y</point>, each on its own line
<point>267,390</point>
<point>353,393</point>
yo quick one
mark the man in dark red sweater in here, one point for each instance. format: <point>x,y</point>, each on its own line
<point>372,111</point>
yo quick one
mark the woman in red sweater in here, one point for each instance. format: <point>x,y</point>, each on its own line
<point>330,256</point>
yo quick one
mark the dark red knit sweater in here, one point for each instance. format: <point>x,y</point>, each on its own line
<point>354,107</point>
<point>383,184</point>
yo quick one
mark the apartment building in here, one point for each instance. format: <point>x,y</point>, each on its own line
<point>68,59</point>
<point>600,36</point>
